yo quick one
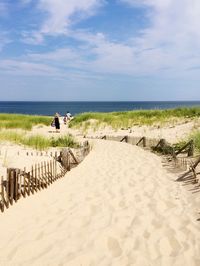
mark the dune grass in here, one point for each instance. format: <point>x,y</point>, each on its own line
<point>38,142</point>
<point>26,122</point>
<point>65,141</point>
<point>130,118</point>
<point>196,137</point>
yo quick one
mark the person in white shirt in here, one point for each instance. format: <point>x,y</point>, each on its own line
<point>67,117</point>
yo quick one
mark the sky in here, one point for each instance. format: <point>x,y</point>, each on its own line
<point>106,50</point>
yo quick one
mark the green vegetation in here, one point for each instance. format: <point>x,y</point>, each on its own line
<point>38,141</point>
<point>25,122</point>
<point>128,119</point>
<point>196,137</point>
<point>65,141</point>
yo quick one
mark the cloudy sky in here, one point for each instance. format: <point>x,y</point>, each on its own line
<point>99,50</point>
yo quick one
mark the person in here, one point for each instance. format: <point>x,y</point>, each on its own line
<point>69,116</point>
<point>57,122</point>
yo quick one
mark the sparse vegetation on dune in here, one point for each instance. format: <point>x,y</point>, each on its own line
<point>37,141</point>
<point>25,122</point>
<point>196,137</point>
<point>130,118</point>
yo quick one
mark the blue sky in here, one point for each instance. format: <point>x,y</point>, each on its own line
<point>99,50</point>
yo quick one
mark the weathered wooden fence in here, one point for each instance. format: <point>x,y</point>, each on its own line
<point>181,157</point>
<point>21,183</point>
<point>192,171</point>
<point>160,145</point>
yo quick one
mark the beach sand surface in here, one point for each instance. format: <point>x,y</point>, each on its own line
<point>119,207</point>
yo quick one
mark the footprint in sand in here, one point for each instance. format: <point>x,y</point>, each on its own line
<point>114,247</point>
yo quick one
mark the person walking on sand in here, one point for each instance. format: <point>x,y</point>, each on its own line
<point>57,122</point>
<point>69,116</point>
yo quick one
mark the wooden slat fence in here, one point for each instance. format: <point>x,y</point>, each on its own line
<point>21,183</point>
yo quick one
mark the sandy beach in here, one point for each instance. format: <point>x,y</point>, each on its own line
<point>118,207</point>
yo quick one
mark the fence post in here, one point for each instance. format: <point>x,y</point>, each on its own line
<point>68,161</point>
<point>53,163</point>
<point>20,183</point>
<point>36,179</point>
<point>16,193</point>
<point>162,143</point>
<point>38,176</point>
<point>11,178</point>
<point>173,154</point>
<point>28,180</point>
<point>49,178</point>
<point>191,149</point>
<point>2,195</point>
<point>45,173</point>
<point>24,182</point>
<point>42,176</point>
<point>144,142</point>
<point>56,168</point>
<point>33,179</point>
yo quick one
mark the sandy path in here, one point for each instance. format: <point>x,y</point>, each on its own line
<point>118,207</point>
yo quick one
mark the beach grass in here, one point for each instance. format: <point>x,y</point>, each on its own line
<point>38,142</point>
<point>196,138</point>
<point>127,119</point>
<point>26,122</point>
<point>65,141</point>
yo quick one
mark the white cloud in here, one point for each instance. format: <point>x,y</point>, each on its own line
<point>60,13</point>
<point>19,67</point>
<point>172,37</point>
<point>171,21</point>
<point>59,55</point>
<point>59,16</point>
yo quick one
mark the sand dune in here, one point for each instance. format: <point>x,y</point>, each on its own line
<point>118,207</point>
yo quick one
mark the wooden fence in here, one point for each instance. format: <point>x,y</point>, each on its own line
<point>192,172</point>
<point>21,183</point>
<point>181,157</point>
<point>160,145</point>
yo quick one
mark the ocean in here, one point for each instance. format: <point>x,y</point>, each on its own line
<point>50,108</point>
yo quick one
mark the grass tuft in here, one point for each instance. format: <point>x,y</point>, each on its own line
<point>38,142</point>
<point>66,141</point>
<point>26,122</point>
<point>196,137</point>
